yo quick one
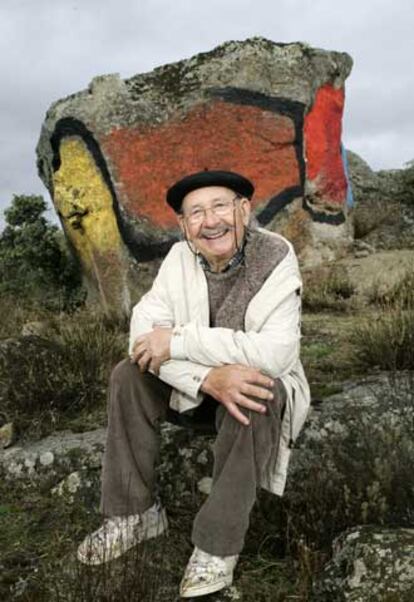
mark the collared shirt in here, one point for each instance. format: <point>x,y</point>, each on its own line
<point>237,258</point>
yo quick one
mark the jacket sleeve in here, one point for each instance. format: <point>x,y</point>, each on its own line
<point>274,348</point>
<point>155,309</point>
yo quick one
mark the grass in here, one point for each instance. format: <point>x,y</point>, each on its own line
<point>15,315</point>
<point>400,295</point>
<point>327,288</point>
<point>39,534</point>
<point>327,354</point>
<point>46,381</point>
<point>385,339</point>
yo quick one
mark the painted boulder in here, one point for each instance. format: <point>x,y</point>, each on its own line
<point>270,111</point>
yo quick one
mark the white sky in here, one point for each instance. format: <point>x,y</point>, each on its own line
<point>51,48</point>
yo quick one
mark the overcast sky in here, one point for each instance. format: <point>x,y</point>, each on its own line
<point>51,48</point>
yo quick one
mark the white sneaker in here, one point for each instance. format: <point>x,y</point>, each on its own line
<point>206,574</point>
<point>120,533</point>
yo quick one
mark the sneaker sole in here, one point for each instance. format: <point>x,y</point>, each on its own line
<point>149,533</point>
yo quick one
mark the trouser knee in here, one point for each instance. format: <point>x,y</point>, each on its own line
<point>123,371</point>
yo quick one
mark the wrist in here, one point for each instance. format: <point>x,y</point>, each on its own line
<point>177,351</point>
<point>205,386</point>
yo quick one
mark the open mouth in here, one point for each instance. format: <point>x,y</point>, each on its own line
<point>215,235</point>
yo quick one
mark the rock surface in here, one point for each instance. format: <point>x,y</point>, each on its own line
<point>369,564</point>
<point>384,205</point>
<point>54,456</point>
<point>271,111</point>
<point>378,400</point>
<point>7,435</point>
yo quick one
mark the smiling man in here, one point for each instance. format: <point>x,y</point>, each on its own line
<point>215,340</point>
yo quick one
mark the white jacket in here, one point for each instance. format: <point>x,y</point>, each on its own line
<point>270,342</point>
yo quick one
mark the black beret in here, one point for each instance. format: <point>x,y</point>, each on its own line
<point>229,179</point>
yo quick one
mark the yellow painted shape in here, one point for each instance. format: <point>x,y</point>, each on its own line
<point>85,203</point>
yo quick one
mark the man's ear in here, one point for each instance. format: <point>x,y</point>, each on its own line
<point>181,224</point>
<point>246,209</point>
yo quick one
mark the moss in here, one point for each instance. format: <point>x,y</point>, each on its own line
<point>174,81</point>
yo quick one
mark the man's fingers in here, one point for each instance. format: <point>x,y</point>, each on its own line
<point>138,352</point>
<point>144,361</point>
<point>257,378</point>
<point>155,366</point>
<point>249,404</point>
<point>237,414</point>
<point>255,391</point>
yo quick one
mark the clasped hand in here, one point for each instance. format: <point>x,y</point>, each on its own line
<point>152,349</point>
<point>234,386</point>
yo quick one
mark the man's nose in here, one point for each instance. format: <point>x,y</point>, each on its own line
<point>210,218</point>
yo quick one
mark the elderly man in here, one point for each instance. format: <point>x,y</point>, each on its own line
<point>216,337</point>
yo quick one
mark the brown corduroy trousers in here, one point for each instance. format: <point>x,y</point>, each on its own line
<point>137,403</point>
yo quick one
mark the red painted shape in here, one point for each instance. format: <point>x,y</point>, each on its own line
<point>145,161</point>
<point>322,139</point>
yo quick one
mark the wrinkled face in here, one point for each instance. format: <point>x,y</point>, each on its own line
<point>213,220</point>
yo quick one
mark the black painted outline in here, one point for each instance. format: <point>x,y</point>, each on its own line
<point>334,219</point>
<point>142,247</point>
<point>296,111</point>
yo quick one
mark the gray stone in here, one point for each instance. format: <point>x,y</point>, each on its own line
<point>7,435</point>
<point>384,204</point>
<point>361,253</point>
<point>378,399</point>
<point>361,245</point>
<point>46,458</point>
<point>58,454</point>
<point>66,457</point>
<point>36,328</point>
<point>204,485</point>
<point>72,485</point>
<point>369,564</point>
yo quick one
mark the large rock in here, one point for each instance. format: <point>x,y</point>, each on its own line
<point>271,111</point>
<point>369,564</point>
<point>384,205</point>
<point>379,405</point>
<point>53,457</point>
<point>71,463</point>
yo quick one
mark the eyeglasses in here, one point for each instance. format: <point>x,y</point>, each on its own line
<point>220,208</point>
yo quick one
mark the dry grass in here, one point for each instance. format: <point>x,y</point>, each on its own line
<point>385,339</point>
<point>327,288</point>
<point>44,381</point>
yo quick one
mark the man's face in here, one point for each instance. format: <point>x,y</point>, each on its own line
<point>215,234</point>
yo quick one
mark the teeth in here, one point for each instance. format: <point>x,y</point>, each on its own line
<point>212,236</point>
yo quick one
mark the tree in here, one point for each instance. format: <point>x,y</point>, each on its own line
<point>34,259</point>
